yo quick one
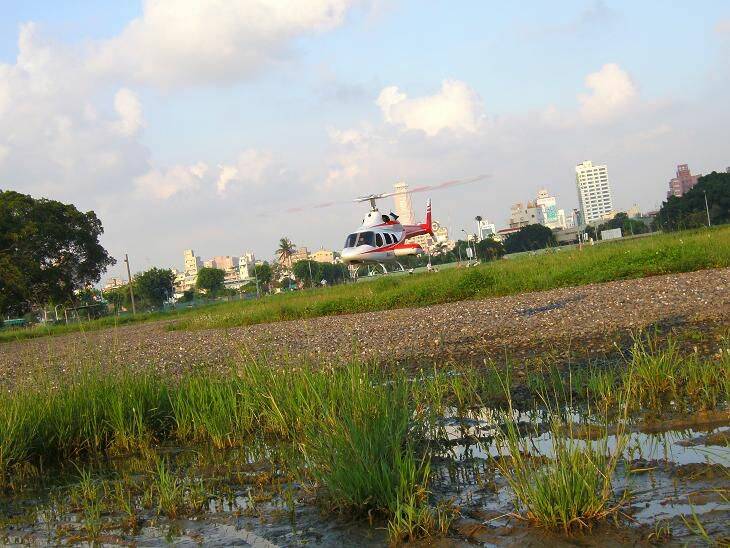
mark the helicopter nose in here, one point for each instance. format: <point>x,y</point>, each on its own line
<point>349,255</point>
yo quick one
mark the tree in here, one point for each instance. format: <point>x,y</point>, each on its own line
<point>489,249</point>
<point>47,251</point>
<point>530,238</point>
<point>689,211</point>
<point>285,251</point>
<point>264,274</point>
<point>627,226</point>
<point>302,269</point>
<point>210,280</point>
<point>154,285</point>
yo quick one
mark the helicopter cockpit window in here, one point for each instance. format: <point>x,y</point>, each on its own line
<point>365,238</point>
<point>387,238</point>
<point>378,239</point>
<point>350,242</point>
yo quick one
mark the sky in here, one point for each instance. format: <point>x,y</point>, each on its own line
<point>199,123</point>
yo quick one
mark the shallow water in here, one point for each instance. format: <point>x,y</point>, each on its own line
<point>671,475</point>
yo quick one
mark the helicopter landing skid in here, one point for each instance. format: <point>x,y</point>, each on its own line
<point>385,270</point>
<point>402,268</point>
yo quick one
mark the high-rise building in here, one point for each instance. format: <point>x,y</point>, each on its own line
<point>594,192</point>
<point>403,204</point>
<point>679,185</point>
<point>552,216</point>
<point>192,263</point>
<point>523,215</point>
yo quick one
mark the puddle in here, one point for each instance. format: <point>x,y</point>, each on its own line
<point>672,475</point>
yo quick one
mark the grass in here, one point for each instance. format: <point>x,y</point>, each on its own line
<point>660,377</point>
<point>360,435</point>
<point>661,254</point>
<point>569,486</point>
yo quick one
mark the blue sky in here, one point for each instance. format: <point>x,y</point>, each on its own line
<point>137,110</point>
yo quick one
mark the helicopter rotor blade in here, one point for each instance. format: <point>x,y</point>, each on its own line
<point>437,186</point>
<point>368,197</point>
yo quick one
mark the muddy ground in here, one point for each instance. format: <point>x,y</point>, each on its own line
<point>587,320</point>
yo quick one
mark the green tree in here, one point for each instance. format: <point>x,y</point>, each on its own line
<point>154,286</point>
<point>47,251</point>
<point>628,226</point>
<point>264,274</point>
<point>302,270</point>
<point>119,298</point>
<point>210,280</point>
<point>530,238</point>
<point>285,251</point>
<point>689,211</point>
<point>489,249</point>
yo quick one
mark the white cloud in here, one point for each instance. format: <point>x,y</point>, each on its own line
<point>343,173</point>
<point>163,184</point>
<point>613,93</point>
<point>350,136</point>
<point>723,26</point>
<point>251,166</point>
<point>129,109</point>
<point>190,42</point>
<point>456,107</point>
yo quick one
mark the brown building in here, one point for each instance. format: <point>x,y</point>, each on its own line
<point>682,182</point>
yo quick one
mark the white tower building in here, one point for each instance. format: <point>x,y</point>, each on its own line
<point>594,192</point>
<point>403,204</point>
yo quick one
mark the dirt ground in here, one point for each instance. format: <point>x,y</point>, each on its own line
<point>589,320</point>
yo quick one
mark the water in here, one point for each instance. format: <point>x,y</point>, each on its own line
<point>250,500</point>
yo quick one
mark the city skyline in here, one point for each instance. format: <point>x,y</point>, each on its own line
<point>177,141</point>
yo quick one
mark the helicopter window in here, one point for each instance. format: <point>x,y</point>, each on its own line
<point>385,218</point>
<point>387,238</point>
<point>350,242</point>
<point>378,239</point>
<point>365,238</point>
<point>395,239</point>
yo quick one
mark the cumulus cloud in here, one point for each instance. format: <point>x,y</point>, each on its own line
<point>55,139</point>
<point>129,109</point>
<point>456,107</point>
<point>189,42</point>
<point>723,26</point>
<point>163,184</point>
<point>612,93</point>
<point>251,166</point>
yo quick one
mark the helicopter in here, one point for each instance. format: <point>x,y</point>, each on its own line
<point>381,238</point>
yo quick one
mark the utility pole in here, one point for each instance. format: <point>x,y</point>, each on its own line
<point>129,278</point>
<point>256,277</point>
<point>707,209</point>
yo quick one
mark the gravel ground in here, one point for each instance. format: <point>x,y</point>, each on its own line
<point>587,318</point>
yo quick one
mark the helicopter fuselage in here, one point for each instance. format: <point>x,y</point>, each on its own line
<point>382,238</point>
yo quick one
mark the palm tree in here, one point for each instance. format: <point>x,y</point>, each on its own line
<point>285,251</point>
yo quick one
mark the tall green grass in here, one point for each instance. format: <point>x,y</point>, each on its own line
<point>660,254</point>
<point>362,434</point>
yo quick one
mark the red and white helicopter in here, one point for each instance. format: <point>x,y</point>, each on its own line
<point>382,238</point>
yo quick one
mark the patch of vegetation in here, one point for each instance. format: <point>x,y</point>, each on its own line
<point>660,254</point>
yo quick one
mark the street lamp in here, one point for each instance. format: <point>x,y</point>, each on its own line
<point>467,240</point>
